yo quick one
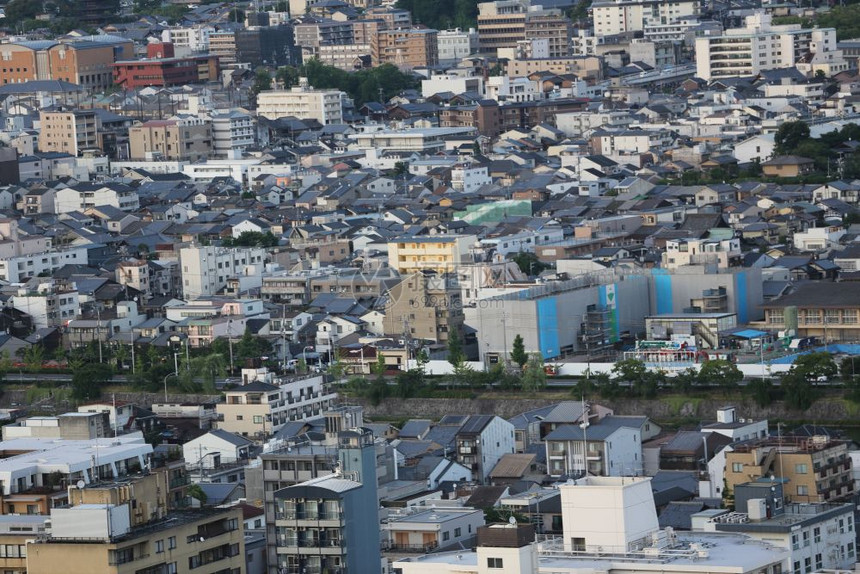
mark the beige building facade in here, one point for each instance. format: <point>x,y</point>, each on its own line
<point>178,140</point>
<point>70,131</point>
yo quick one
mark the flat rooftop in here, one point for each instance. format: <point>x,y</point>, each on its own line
<point>728,553</point>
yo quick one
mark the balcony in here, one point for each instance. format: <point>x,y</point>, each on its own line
<point>426,547</point>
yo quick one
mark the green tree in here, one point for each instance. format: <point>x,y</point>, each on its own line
<point>761,392</point>
<point>262,82</point>
<point>815,366</point>
<point>799,393</point>
<point>529,263</point>
<point>720,373</point>
<point>456,356</point>
<point>518,352</point>
<point>422,359</point>
<point>684,381</point>
<point>789,135</point>
<point>88,380</point>
<point>197,493</point>
<point>34,356</point>
<point>534,375</point>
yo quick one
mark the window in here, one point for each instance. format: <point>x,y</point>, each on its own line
<point>258,419</point>
<point>171,543</point>
<point>802,490</point>
<point>801,468</point>
<point>818,562</point>
<point>446,535</point>
<point>737,467</point>
<point>816,533</point>
<point>578,544</point>
<point>494,563</point>
<point>239,417</point>
<point>458,532</point>
<point>171,568</point>
<point>797,567</point>
<point>807,563</point>
<point>159,546</point>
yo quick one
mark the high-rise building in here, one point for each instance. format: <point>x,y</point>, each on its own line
<point>406,48</point>
<point>69,131</point>
<point>424,306</point>
<point>507,23</point>
<point>176,139</point>
<point>760,46</point>
<point>331,523</point>
<point>206,269</point>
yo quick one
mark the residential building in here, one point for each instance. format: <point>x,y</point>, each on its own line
<point>69,131</point>
<point>23,256</point>
<point>424,306</point>
<point>232,133</point>
<point>439,253</point>
<point>261,409</point>
<point>206,269</point>
<point>818,238</point>
<point>215,448</point>
<point>49,305</point>
<point>611,446</point>
<point>610,523</point>
<point>99,538</point>
<point>761,46</point>
<point>431,529</point>
<point>820,309</point>
<point>16,531</point>
<point>187,139</point>
<point>456,44</point>
<point>332,522</point>
<point>481,441</point>
<point>501,24</point>
<point>85,196</point>
<point>619,16</point>
<point>406,48</point>
<point>302,102</point>
<point>188,40</point>
<point>818,536</point>
<point>723,253</point>
<point>813,469</point>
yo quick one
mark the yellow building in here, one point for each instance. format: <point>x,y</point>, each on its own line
<point>124,526</point>
<point>815,469</point>
<point>186,139</point>
<point>69,131</point>
<point>183,542</point>
<point>439,253</point>
<point>424,306</point>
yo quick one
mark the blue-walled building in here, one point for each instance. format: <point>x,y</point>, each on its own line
<point>331,523</point>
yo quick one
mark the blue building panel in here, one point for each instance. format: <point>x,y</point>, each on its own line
<point>663,292</point>
<point>547,315</point>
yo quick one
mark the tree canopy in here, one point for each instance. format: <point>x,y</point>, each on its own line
<point>442,14</point>
<point>362,85</point>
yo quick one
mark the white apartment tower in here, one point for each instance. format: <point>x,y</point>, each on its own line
<point>762,46</point>
<point>302,102</point>
<point>206,269</point>
<point>619,16</point>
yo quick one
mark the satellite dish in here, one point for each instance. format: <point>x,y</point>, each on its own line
<point>81,484</point>
<point>512,521</point>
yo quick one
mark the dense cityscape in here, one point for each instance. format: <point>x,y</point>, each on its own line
<point>429,287</point>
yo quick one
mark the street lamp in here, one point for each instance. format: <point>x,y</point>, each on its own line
<point>167,376</point>
<point>304,357</point>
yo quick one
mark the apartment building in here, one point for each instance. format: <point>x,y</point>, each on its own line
<point>206,269</point>
<point>609,523</point>
<point>187,139</point>
<point>222,43</point>
<point>23,256</point>
<point>812,469</point>
<point>439,253</point>
<point>620,16</point>
<point>552,27</point>
<point>432,529</point>
<point>260,409</point>
<point>611,446</point>
<point>501,24</point>
<point>760,46</point>
<point>818,536</point>
<point>311,33</point>
<point>49,305</point>
<point>100,538</point>
<point>89,195</point>
<point>424,306</point>
<point>331,522</point>
<point>232,133</point>
<point>194,39</point>
<point>302,102</point>
<point>69,131</point>
<point>87,63</point>
<point>720,252</point>
<point>481,441</point>
<point>406,48</point>
<point>456,44</point>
